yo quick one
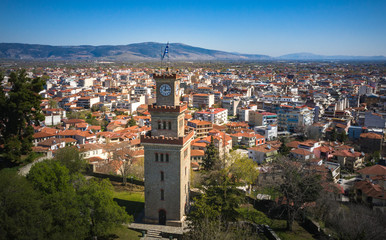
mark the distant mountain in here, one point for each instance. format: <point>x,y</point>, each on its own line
<point>311,56</point>
<point>147,51</point>
<point>150,51</point>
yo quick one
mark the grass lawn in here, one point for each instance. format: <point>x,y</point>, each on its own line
<point>298,232</point>
<point>123,233</point>
<point>133,202</point>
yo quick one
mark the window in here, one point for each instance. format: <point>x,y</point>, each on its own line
<point>167,157</point>
<point>162,194</point>
<point>162,157</point>
<point>159,125</point>
<point>156,157</point>
<point>185,171</point>
<point>164,125</point>
<point>162,176</point>
<point>170,125</point>
<point>186,152</point>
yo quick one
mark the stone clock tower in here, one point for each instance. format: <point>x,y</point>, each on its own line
<point>167,156</point>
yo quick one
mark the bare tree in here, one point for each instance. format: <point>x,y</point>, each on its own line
<point>357,222</point>
<point>124,157</point>
<point>298,185</point>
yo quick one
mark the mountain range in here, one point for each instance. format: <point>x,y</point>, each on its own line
<point>147,51</point>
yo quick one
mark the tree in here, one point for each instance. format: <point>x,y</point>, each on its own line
<point>220,194</point>
<point>284,150</point>
<point>21,211</point>
<point>333,135</point>
<point>20,109</point>
<point>243,169</point>
<point>131,122</point>
<point>216,207</point>
<point>50,177</point>
<point>342,137</point>
<point>70,157</point>
<point>99,208</point>
<point>124,158</point>
<point>78,207</point>
<point>211,157</point>
<point>299,185</point>
<point>52,103</point>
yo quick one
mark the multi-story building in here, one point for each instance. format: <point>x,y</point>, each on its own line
<point>214,115</point>
<point>257,118</point>
<point>202,100</point>
<point>290,118</point>
<point>269,132</point>
<point>87,102</point>
<point>262,153</point>
<point>200,127</point>
<point>231,103</point>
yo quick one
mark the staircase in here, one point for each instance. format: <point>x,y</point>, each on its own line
<point>152,234</point>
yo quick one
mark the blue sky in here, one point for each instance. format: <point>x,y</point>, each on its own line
<point>347,27</point>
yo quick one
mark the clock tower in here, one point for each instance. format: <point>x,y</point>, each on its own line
<point>167,156</point>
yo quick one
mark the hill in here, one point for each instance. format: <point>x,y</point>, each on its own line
<point>150,51</point>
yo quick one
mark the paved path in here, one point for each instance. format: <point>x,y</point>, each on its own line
<point>25,170</point>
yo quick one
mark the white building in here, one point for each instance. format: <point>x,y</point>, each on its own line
<point>214,115</point>
<point>269,132</point>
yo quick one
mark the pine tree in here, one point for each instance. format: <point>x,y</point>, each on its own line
<point>20,109</point>
<point>211,157</point>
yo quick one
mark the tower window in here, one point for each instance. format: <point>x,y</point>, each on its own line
<point>162,194</point>
<point>170,125</point>
<point>162,157</point>
<point>162,176</point>
<point>156,157</point>
<point>167,157</point>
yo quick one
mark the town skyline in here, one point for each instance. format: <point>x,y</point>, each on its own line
<point>271,28</point>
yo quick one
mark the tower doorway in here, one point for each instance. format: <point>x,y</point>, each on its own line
<point>162,217</point>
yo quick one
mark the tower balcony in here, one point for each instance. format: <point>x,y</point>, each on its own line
<point>167,140</point>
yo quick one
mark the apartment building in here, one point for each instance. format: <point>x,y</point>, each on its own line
<point>257,118</point>
<point>87,102</point>
<point>214,115</point>
<point>200,127</point>
<point>202,100</point>
<point>290,118</point>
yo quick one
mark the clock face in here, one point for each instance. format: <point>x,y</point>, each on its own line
<point>165,89</point>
